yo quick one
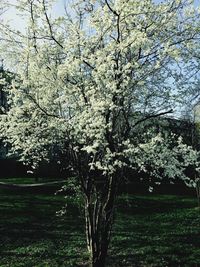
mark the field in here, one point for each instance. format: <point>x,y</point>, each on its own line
<point>149,231</point>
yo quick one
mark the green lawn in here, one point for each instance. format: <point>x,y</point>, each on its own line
<point>149,231</point>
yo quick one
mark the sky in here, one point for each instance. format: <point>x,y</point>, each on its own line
<point>13,17</point>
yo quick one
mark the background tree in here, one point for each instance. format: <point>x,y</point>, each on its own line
<point>87,82</point>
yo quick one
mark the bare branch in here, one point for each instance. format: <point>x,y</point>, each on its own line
<point>33,28</point>
<point>111,9</point>
<point>41,108</point>
<point>153,116</point>
<point>88,64</point>
<point>50,26</point>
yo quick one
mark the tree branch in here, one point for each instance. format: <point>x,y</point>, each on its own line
<point>152,116</point>
<point>111,9</point>
<point>33,28</point>
<point>50,26</point>
<point>42,109</point>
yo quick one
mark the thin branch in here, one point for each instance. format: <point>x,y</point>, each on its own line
<point>111,9</point>
<point>10,41</point>
<point>33,28</point>
<point>42,109</point>
<point>50,26</point>
<point>153,116</point>
<point>88,64</point>
<point>118,28</point>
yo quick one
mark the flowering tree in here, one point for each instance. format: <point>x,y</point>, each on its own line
<point>87,82</point>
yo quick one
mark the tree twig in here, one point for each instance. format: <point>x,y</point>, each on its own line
<point>152,116</point>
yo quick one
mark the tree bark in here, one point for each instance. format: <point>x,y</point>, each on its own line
<point>98,237</point>
<point>99,211</point>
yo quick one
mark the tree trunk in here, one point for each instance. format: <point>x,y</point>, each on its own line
<point>99,211</point>
<point>98,238</point>
<point>98,261</point>
<point>98,230</point>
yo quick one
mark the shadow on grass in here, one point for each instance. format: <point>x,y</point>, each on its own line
<point>164,232</point>
<point>153,231</point>
<point>32,235</point>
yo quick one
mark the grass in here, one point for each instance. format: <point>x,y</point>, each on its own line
<point>152,230</point>
<point>157,231</point>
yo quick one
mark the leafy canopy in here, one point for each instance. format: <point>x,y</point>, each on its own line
<point>89,81</point>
